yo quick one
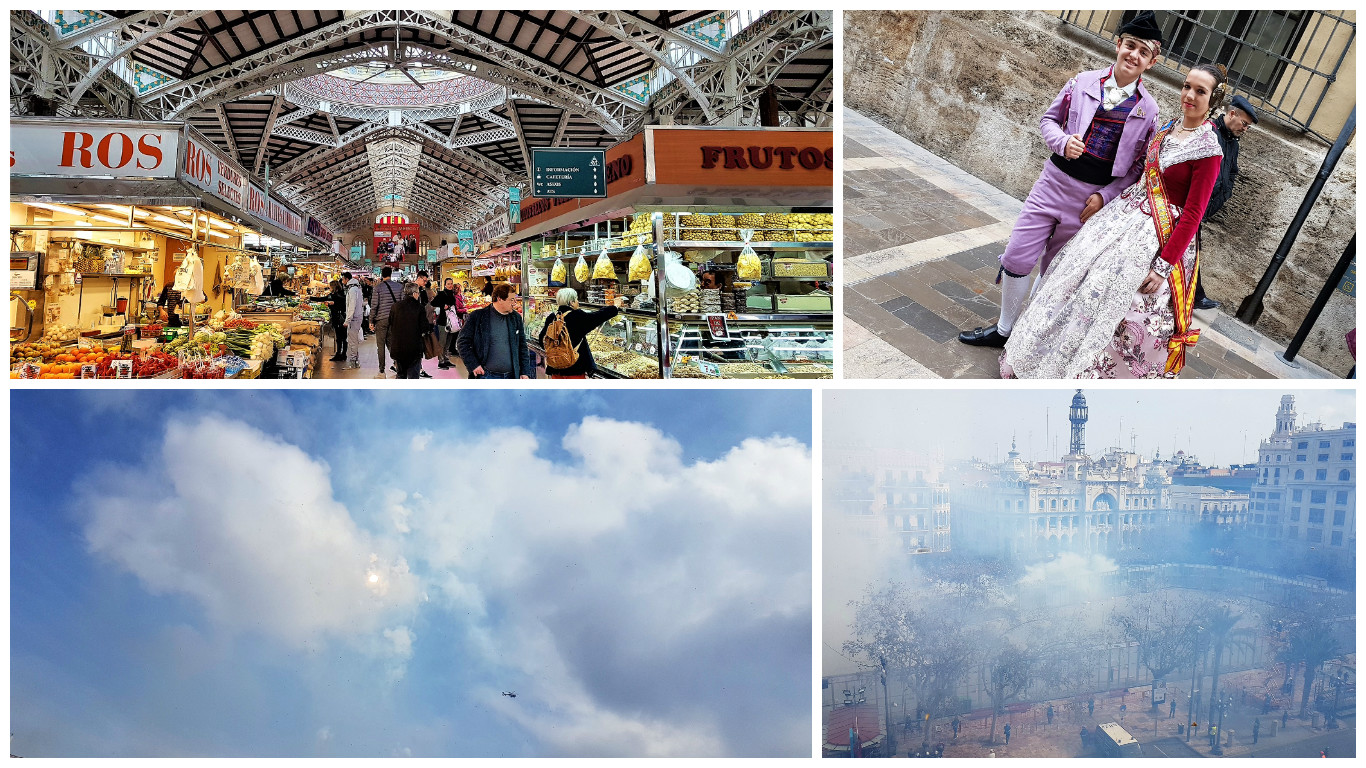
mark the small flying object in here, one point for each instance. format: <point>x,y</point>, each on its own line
<point>510,694</point>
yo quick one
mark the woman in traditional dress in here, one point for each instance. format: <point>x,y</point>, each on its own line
<point>1117,301</point>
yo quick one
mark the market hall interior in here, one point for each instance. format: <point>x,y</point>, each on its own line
<point>188,187</point>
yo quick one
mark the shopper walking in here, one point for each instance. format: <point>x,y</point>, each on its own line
<point>407,324</point>
<point>386,294</point>
<point>577,324</point>
<point>445,304</point>
<point>355,319</point>
<point>493,342</point>
<point>336,315</point>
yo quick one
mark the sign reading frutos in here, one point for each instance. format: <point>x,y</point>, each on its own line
<point>563,172</point>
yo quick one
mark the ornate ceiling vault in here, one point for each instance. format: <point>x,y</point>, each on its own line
<point>429,112</point>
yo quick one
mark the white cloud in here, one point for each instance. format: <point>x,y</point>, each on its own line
<point>247,526</point>
<point>612,567</point>
<point>639,604</point>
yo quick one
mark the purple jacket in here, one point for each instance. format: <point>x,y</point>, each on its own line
<point>1071,114</point>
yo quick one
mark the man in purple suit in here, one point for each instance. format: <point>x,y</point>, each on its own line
<point>1098,129</point>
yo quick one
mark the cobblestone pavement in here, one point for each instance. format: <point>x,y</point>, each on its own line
<point>1033,736</point>
<point>920,248</point>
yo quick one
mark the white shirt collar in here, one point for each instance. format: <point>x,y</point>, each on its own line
<point>1127,89</point>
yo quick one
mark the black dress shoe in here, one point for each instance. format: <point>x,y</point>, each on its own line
<point>337,358</point>
<point>424,375</point>
<point>1207,303</point>
<point>983,337</point>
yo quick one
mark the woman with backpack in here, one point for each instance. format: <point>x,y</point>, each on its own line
<point>565,336</point>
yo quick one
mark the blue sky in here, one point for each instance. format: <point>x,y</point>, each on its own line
<point>361,573</point>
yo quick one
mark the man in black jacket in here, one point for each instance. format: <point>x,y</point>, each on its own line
<point>1229,128</point>
<point>580,324</point>
<point>493,341</point>
<point>407,325</point>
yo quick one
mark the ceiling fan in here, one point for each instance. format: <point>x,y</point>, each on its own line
<point>399,62</point>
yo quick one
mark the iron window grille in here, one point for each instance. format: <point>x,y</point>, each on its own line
<point>1259,48</point>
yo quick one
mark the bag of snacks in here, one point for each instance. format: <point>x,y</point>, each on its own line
<point>639,268</point>
<point>747,266</point>
<point>602,269</point>
<point>557,273</point>
<point>581,270</point>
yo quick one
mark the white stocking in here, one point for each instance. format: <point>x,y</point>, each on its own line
<point>1014,290</point>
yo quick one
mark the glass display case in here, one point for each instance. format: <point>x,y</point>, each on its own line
<point>771,317</point>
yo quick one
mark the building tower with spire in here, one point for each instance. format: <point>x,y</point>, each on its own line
<point>1285,417</point>
<point>1077,415</point>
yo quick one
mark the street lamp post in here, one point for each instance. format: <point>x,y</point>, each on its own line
<point>1195,665</point>
<point>886,709</point>
<point>1224,702</point>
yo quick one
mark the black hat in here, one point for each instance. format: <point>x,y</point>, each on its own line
<point>1241,103</point>
<point>1144,27</point>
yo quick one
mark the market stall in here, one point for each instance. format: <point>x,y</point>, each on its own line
<point>743,223</point>
<point>126,247</point>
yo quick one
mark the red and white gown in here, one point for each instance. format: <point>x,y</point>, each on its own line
<point>1087,320</point>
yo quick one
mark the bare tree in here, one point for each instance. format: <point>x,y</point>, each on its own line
<point>1160,623</point>
<point>925,645</point>
<point>1009,672</point>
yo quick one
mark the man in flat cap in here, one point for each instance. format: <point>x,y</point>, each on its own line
<point>1231,126</point>
<point>1098,129</point>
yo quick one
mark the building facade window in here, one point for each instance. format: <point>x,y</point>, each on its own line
<point>1345,475</point>
<point>1336,541</point>
<point>1340,497</point>
<point>1299,474</point>
<point>1315,516</point>
<point>1320,474</point>
<point>1314,535</point>
<point>1339,517</point>
<point>1318,497</point>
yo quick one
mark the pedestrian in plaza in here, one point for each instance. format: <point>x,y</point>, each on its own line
<point>336,315</point>
<point>406,327</point>
<point>1117,301</point>
<point>355,319</point>
<point>1171,708</point>
<point>1123,710</point>
<point>1050,714</point>
<point>493,342</point>
<point>1007,732</point>
<point>1230,128</point>
<point>992,753</point>
<point>445,304</point>
<point>957,726</point>
<point>1285,717</point>
<point>1097,128</point>
<point>577,323</point>
<point>1091,707</point>
<point>367,290</point>
<point>386,294</point>
<point>1266,705</point>
<point>425,297</point>
<point>1085,734</point>
<point>1256,729</point>
<point>939,749</point>
<point>1213,735</point>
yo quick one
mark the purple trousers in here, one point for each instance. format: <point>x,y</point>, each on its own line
<point>1050,217</point>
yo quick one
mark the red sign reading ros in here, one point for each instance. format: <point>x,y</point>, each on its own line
<point>41,147</point>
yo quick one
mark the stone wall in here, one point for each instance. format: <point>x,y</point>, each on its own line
<point>970,86</point>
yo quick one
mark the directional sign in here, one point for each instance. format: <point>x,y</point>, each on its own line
<point>568,173</point>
